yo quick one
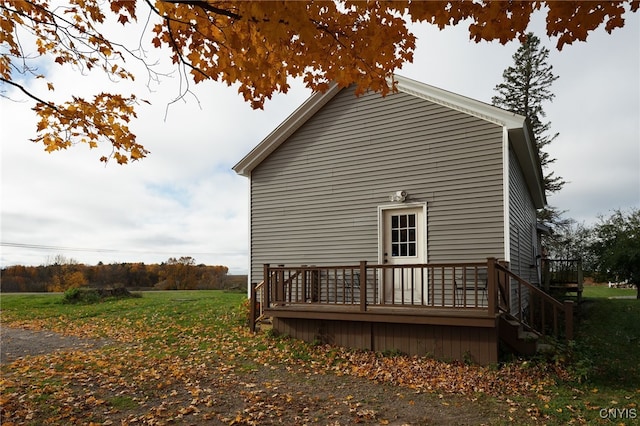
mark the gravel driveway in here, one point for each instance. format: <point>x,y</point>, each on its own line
<point>18,342</point>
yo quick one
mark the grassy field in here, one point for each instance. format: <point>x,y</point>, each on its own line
<point>602,291</point>
<point>188,358</point>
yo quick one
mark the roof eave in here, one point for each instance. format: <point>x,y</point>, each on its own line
<point>522,141</point>
<point>284,130</point>
<point>460,103</point>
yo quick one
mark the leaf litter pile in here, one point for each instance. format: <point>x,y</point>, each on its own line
<point>206,367</point>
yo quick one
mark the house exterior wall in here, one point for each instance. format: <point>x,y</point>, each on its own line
<point>522,224</point>
<point>522,233</point>
<point>315,199</point>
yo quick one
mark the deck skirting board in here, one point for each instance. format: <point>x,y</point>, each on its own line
<point>477,344</point>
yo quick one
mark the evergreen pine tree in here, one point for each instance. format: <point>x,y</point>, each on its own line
<point>526,86</point>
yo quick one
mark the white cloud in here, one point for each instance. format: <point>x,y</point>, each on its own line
<point>184,200</point>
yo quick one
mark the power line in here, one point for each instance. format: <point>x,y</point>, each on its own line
<point>49,248</point>
<point>103,250</point>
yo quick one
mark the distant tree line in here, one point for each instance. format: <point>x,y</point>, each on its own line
<point>609,250</point>
<point>64,273</point>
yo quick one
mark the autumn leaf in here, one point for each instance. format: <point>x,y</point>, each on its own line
<point>257,46</point>
<point>188,360</point>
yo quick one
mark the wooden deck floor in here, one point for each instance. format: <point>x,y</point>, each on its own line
<point>470,317</point>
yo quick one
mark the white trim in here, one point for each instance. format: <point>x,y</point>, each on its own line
<point>399,206</point>
<point>250,222</point>
<point>506,194</point>
<point>281,133</point>
<point>460,103</point>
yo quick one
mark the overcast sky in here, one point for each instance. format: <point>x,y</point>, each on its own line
<point>184,199</point>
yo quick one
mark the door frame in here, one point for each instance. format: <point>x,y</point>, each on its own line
<point>390,208</point>
<point>399,206</point>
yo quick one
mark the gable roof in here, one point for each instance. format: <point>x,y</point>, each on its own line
<point>517,126</point>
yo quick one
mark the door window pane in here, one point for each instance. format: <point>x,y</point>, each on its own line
<point>403,235</point>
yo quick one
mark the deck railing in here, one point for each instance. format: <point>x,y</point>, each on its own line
<point>484,287</point>
<point>534,308</point>
<point>364,285</point>
<point>563,276</point>
<point>257,304</point>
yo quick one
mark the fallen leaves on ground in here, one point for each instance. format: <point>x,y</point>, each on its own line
<point>158,371</point>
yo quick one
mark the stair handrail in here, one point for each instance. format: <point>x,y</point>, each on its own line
<point>257,301</point>
<point>546,300</point>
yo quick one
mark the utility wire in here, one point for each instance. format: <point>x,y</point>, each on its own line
<point>103,250</point>
<point>44,247</point>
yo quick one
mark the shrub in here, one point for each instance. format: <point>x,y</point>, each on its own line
<point>96,295</point>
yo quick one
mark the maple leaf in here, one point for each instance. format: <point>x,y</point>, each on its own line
<point>260,45</point>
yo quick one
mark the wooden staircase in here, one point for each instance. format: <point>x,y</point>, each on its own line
<point>514,335</point>
<point>523,326</point>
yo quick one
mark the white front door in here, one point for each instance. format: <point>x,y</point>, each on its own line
<point>403,235</point>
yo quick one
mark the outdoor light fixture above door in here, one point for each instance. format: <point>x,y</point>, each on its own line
<point>398,196</point>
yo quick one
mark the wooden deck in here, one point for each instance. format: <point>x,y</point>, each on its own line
<point>387,314</point>
<point>450,311</point>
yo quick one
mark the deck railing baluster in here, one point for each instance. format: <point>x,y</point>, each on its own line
<point>363,285</point>
<point>402,285</point>
<point>443,293</point>
<point>304,283</point>
<point>432,287</point>
<point>422,286</point>
<point>476,289</point>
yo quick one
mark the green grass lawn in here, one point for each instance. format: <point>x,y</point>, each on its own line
<point>167,344</point>
<point>603,291</point>
<point>605,360</point>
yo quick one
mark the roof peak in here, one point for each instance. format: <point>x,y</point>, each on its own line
<point>406,85</point>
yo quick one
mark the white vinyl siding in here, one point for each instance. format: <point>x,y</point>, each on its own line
<point>314,200</point>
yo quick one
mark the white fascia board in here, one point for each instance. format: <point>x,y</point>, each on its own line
<point>506,196</point>
<point>517,126</point>
<point>524,148</point>
<point>269,144</point>
<point>249,226</point>
<point>460,103</point>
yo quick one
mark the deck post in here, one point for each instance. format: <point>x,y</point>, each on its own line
<point>363,285</point>
<point>304,283</point>
<point>252,308</point>
<point>580,281</point>
<point>568,319</point>
<point>267,282</point>
<point>491,286</point>
<point>546,272</point>
<point>280,294</point>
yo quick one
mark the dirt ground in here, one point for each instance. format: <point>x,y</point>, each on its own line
<point>317,399</point>
<point>16,343</point>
